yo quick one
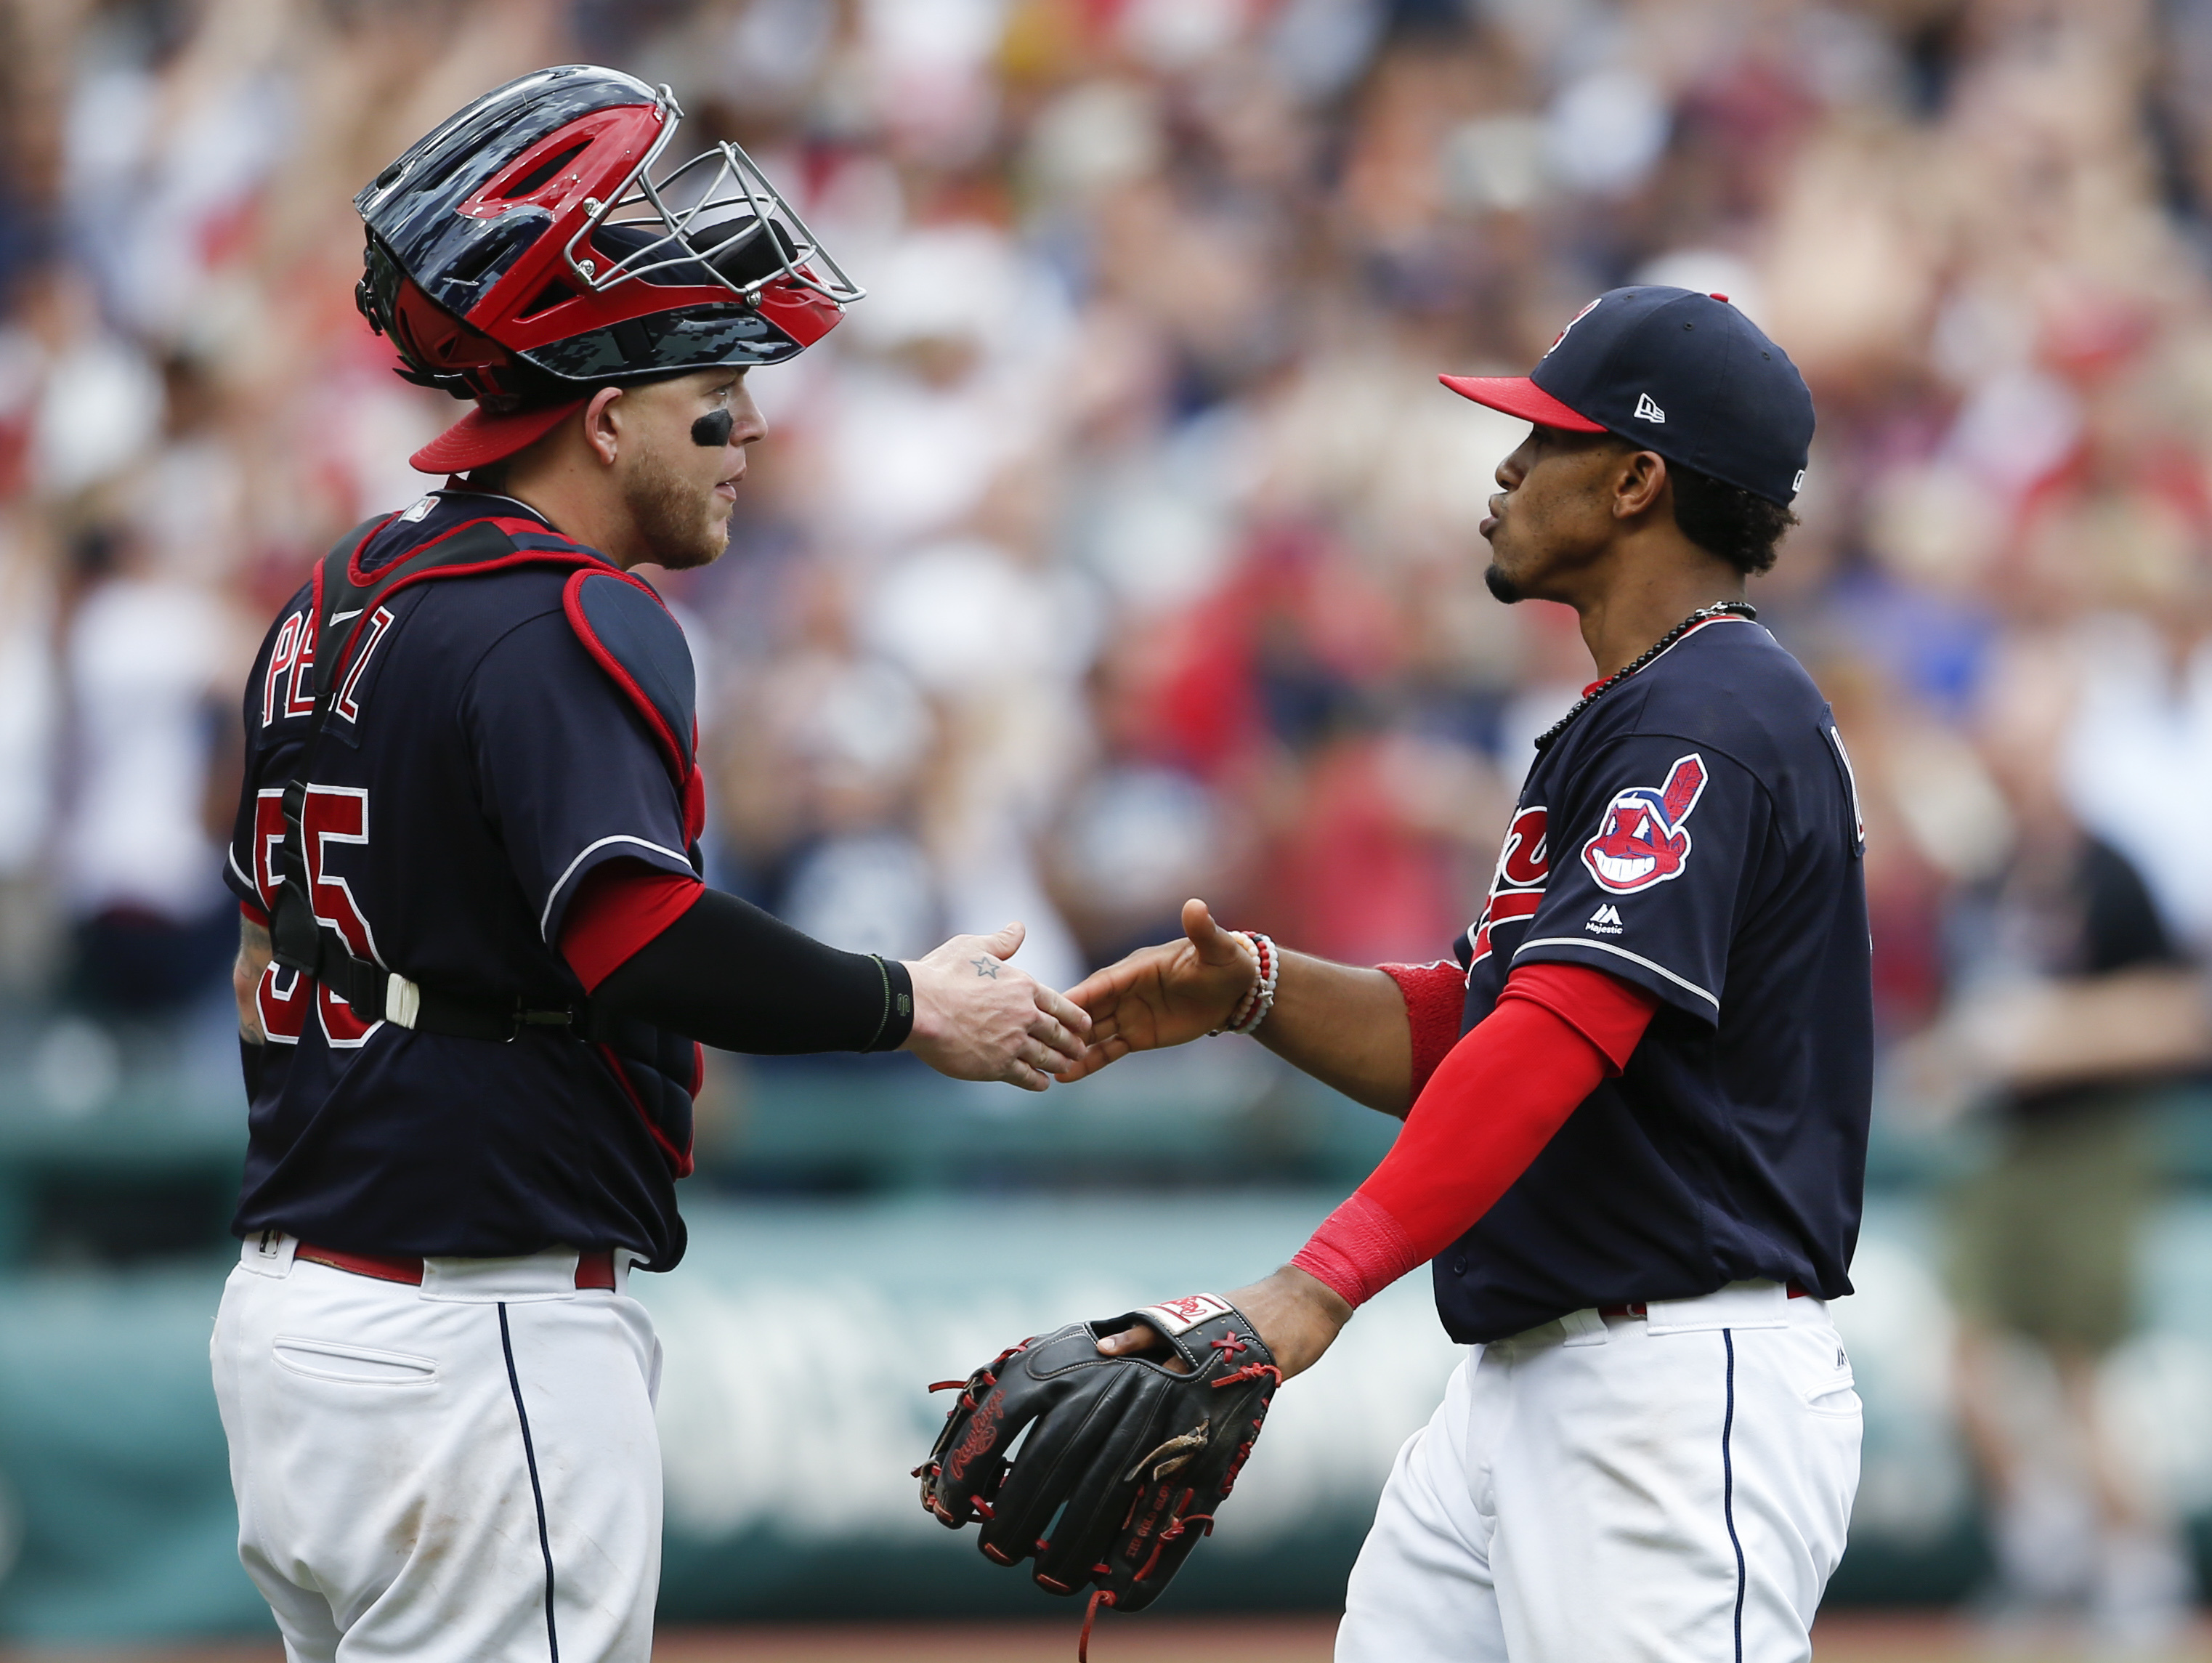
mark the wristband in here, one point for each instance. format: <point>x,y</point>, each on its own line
<point>1360,1249</point>
<point>898,1005</point>
<point>1251,1009</point>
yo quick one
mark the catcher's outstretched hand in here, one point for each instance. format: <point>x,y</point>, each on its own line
<point>977,1017</point>
<point>1161,996</point>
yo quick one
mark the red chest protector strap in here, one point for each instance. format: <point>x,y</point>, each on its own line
<point>345,599</point>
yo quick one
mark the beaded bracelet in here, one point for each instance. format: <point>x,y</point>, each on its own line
<point>1251,1009</point>
<point>1263,995</point>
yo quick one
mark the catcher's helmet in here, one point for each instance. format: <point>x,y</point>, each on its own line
<point>523,253</point>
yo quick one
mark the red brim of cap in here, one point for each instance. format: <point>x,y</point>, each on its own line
<point>1516,395</point>
<point>481,438</point>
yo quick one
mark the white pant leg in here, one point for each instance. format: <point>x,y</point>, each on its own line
<point>1654,1497</point>
<point>1421,1590</point>
<point>1795,1445</point>
<point>387,1506</point>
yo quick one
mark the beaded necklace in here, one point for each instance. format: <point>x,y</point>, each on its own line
<point>1742,609</point>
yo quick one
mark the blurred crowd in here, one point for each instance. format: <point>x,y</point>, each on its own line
<point>1121,547</point>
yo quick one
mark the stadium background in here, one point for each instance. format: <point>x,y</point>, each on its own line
<point>1120,546</point>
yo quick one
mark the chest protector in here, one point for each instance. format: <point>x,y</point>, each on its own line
<point>630,634</point>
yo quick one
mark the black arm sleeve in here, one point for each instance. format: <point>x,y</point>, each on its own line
<point>733,977</point>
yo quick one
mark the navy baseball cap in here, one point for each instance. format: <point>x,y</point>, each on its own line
<point>1671,370</point>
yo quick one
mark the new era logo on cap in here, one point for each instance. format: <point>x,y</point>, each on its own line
<point>1670,370</point>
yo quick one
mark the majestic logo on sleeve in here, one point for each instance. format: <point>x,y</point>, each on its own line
<point>1643,840</point>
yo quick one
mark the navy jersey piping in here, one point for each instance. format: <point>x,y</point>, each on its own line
<point>1656,969</point>
<point>560,886</point>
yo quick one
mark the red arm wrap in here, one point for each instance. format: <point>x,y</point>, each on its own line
<point>1359,1250</point>
<point>621,907</point>
<point>1609,1013</point>
<point>253,914</point>
<point>1488,1111</point>
<point>1436,1003</point>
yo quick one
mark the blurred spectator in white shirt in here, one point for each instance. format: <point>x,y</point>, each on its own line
<point>149,664</point>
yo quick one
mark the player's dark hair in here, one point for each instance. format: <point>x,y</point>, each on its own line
<point>1742,528</point>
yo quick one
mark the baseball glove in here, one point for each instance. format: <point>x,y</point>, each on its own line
<point>1126,1459</point>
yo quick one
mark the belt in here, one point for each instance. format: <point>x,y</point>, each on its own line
<point>593,1269</point>
<point>1635,1308</point>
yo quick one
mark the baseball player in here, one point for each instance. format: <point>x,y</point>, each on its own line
<point>1638,1095</point>
<point>477,954</point>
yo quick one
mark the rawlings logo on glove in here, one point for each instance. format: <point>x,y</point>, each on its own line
<point>1140,1455</point>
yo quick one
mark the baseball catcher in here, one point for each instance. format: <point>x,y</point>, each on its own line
<point>477,952</point>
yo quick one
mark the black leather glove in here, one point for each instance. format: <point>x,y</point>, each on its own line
<point>1140,1455</point>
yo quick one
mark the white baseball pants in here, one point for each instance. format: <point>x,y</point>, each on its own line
<point>466,1470</point>
<point>1674,1489</point>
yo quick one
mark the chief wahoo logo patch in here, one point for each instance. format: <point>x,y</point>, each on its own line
<point>1643,840</point>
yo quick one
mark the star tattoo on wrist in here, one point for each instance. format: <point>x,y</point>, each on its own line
<point>986,965</point>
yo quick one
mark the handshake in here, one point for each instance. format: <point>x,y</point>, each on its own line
<point>977,1017</point>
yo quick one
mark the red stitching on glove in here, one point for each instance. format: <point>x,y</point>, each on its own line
<point>1098,1597</point>
<point>1250,1371</point>
<point>1173,1529</point>
<point>1236,1466</point>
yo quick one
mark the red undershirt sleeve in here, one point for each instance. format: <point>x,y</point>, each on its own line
<point>1556,1031</point>
<point>1436,1002</point>
<point>622,905</point>
<point>1610,1012</point>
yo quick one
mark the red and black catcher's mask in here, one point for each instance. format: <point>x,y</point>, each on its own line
<point>524,253</point>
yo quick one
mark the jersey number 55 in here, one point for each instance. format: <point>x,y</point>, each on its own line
<point>332,815</point>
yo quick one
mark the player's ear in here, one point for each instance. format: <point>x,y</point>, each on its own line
<point>602,423</point>
<point>1639,482</point>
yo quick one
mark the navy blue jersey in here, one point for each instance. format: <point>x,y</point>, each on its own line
<point>478,762</point>
<point>1694,831</point>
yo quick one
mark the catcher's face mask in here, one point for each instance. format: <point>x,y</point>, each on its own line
<point>530,249</point>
